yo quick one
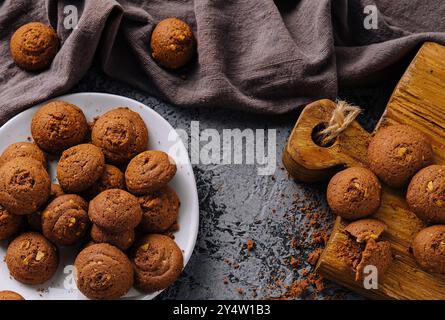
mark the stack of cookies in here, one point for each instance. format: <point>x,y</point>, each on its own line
<point>122,220</point>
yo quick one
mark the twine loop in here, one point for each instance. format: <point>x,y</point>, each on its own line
<point>342,116</point>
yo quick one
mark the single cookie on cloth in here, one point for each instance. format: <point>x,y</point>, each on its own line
<point>33,46</point>
<point>172,43</point>
<point>9,223</point>
<point>80,167</point>
<point>157,262</point>
<point>35,218</point>
<point>149,171</point>
<point>121,134</point>
<point>24,185</point>
<point>23,149</point>
<point>65,220</point>
<point>123,240</point>
<point>59,125</point>
<point>429,248</point>
<point>354,193</point>
<point>115,210</point>
<point>103,272</point>
<point>397,152</point>
<point>426,194</point>
<point>112,178</point>
<point>31,258</point>
<point>10,295</point>
<point>159,210</point>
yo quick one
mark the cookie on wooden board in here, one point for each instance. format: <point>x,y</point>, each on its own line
<point>397,152</point>
<point>429,248</point>
<point>426,194</point>
<point>354,193</point>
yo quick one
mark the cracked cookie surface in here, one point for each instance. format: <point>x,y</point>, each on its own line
<point>80,167</point>
<point>59,125</point>
<point>24,185</point>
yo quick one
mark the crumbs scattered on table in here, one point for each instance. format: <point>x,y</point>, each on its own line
<point>250,244</point>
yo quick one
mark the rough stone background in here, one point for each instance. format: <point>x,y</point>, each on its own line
<point>236,205</point>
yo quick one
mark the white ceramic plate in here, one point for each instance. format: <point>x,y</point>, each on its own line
<point>161,137</point>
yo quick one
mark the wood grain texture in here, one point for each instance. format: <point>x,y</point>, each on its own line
<point>418,101</point>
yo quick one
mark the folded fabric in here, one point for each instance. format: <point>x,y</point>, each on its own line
<point>262,56</point>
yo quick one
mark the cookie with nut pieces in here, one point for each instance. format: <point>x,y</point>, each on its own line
<point>31,258</point>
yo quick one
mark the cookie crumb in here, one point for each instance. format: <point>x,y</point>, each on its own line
<point>293,262</point>
<point>314,256</point>
<point>250,245</point>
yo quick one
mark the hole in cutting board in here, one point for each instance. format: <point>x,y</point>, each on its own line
<point>316,137</point>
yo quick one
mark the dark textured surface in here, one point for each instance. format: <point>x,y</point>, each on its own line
<point>236,204</point>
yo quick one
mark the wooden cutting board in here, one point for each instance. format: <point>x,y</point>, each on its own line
<point>418,101</point>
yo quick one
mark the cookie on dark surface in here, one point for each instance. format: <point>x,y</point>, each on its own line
<point>426,194</point>
<point>157,262</point>
<point>31,258</point>
<point>59,125</point>
<point>159,210</point>
<point>65,220</point>
<point>80,167</point>
<point>172,43</point>
<point>429,248</point>
<point>103,272</point>
<point>112,178</point>
<point>9,223</point>
<point>122,240</point>
<point>10,295</point>
<point>121,134</point>
<point>24,185</point>
<point>149,171</point>
<point>397,152</point>
<point>354,193</point>
<point>23,149</point>
<point>33,46</point>
<point>115,210</point>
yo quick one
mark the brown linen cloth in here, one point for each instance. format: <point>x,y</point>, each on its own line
<point>257,55</point>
